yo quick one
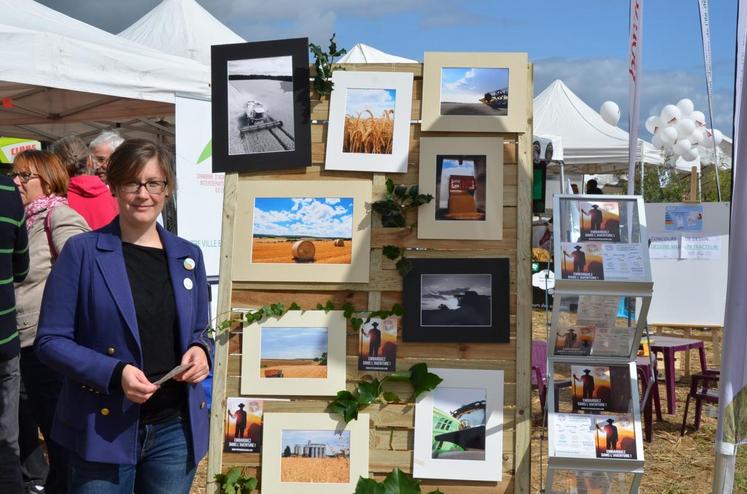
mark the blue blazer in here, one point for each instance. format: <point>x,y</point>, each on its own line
<point>88,324</point>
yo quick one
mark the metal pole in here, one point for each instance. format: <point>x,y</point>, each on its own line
<point>723,473</point>
<point>715,165</point>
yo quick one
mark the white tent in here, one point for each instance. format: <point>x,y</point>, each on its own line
<point>590,145</point>
<point>57,73</point>
<point>361,53</point>
<point>182,28</point>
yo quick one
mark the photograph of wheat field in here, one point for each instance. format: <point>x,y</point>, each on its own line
<point>318,456</point>
<point>293,353</point>
<point>369,121</point>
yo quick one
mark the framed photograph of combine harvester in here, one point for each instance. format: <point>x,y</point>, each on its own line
<point>474,92</point>
<point>457,301</point>
<point>301,353</point>
<point>369,121</point>
<point>261,110</point>
<point>313,453</point>
<point>465,177</point>
<point>459,427</point>
<point>302,231</point>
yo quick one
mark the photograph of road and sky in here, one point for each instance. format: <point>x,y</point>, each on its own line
<point>282,222</point>
<point>474,91</point>
<point>455,300</point>
<point>260,105</point>
<point>293,352</point>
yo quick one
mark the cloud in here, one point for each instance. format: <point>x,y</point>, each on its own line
<point>468,86</point>
<point>377,101</point>
<point>598,80</point>
<point>307,217</point>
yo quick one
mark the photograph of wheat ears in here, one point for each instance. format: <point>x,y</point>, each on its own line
<point>369,121</point>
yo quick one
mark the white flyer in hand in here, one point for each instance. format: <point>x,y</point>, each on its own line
<point>176,370</point>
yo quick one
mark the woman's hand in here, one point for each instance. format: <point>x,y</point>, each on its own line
<point>199,370</point>
<point>135,385</point>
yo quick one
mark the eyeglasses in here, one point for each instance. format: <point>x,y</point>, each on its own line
<point>151,186</point>
<point>100,159</point>
<point>23,176</point>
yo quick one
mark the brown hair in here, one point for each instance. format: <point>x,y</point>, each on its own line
<point>130,157</point>
<point>49,168</point>
<point>73,153</point>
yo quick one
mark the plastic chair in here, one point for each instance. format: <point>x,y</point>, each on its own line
<point>703,388</point>
<point>539,373</point>
<point>649,397</point>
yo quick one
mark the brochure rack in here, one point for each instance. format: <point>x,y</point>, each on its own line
<point>602,293</point>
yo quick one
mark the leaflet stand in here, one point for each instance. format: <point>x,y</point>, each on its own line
<point>602,274</point>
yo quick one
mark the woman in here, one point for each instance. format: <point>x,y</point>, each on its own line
<point>42,182</point>
<point>87,194</point>
<point>123,306</point>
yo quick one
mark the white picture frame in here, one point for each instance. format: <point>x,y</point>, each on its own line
<point>255,379</point>
<point>460,384</point>
<point>374,89</point>
<point>355,433</point>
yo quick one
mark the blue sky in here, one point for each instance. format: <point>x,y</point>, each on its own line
<point>583,42</point>
<point>292,343</point>
<point>334,441</point>
<point>304,216</point>
<point>451,399</point>
<point>375,100</point>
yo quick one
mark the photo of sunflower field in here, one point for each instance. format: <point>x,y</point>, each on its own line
<point>369,121</point>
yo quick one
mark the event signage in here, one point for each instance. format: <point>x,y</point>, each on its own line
<point>199,195</point>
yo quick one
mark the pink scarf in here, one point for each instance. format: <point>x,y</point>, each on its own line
<point>42,204</point>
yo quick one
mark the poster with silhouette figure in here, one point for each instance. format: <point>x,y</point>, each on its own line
<point>575,340</point>
<point>243,425</point>
<point>582,261</point>
<point>598,389</point>
<point>614,436</point>
<point>600,221</point>
<point>377,344</point>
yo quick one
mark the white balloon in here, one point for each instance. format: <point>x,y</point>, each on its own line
<point>651,124</point>
<point>656,142</point>
<point>691,154</point>
<point>668,135</point>
<point>681,147</point>
<point>670,113</point>
<point>707,141</point>
<point>697,136</point>
<point>610,112</point>
<point>685,127</point>
<point>699,118</point>
<point>717,137</point>
<point>685,106</point>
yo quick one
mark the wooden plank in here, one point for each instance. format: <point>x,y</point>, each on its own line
<point>523,423</point>
<point>220,361</point>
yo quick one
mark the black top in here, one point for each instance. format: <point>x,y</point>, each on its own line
<point>14,264</point>
<point>148,272</point>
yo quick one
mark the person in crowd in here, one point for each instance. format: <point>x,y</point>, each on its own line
<point>14,265</point>
<point>87,194</point>
<point>42,182</point>
<point>102,147</point>
<point>546,240</point>
<point>574,188</point>
<point>592,187</point>
<point>123,306</point>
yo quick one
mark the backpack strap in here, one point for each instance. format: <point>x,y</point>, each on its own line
<point>48,231</point>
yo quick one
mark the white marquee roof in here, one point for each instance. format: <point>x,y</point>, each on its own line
<point>361,53</point>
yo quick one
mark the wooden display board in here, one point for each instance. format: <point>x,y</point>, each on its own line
<point>392,426</point>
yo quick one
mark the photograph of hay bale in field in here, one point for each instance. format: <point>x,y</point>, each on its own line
<point>302,230</point>
<point>474,91</point>
<point>459,424</point>
<point>260,105</point>
<point>456,300</point>
<point>317,456</point>
<point>293,353</point>
<point>460,188</point>
<point>369,121</point>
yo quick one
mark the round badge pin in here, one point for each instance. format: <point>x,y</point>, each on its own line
<point>189,264</point>
<point>187,283</point>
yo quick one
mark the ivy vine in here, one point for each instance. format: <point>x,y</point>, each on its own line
<point>370,390</point>
<point>395,253</point>
<point>396,482</point>
<point>323,62</point>
<point>397,201</point>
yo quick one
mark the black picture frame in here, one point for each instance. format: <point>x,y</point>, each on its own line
<point>428,319</point>
<point>278,149</point>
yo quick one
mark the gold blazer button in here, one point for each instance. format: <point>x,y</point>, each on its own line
<point>104,412</point>
<point>110,350</point>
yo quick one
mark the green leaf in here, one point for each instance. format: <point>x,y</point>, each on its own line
<point>277,310</point>
<point>398,310</point>
<point>356,323</point>
<point>368,486</point>
<point>422,381</point>
<point>347,310</point>
<point>400,191</point>
<point>389,186</point>
<point>294,306</point>
<point>329,306</point>
<point>368,391</point>
<point>390,397</point>
<point>345,405</point>
<point>233,475</point>
<point>249,485</point>
<point>404,266</point>
<point>437,491</point>
<point>391,252</point>
<point>319,307</point>
<point>398,482</point>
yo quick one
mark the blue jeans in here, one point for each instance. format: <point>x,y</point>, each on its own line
<point>164,466</point>
<point>10,465</point>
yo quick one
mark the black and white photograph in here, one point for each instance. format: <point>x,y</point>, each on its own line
<point>260,106</point>
<point>456,300</point>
